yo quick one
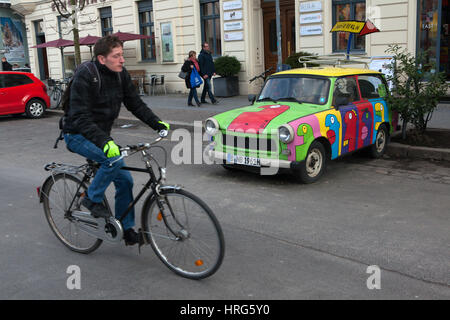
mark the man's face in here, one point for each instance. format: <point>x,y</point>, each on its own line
<point>114,60</point>
<point>3,59</point>
<point>206,47</point>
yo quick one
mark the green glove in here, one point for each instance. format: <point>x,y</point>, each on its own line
<point>111,149</point>
<point>162,125</point>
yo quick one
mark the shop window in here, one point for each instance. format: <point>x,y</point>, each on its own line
<point>147,27</point>
<point>210,22</point>
<point>433,32</point>
<point>106,21</point>
<point>348,10</point>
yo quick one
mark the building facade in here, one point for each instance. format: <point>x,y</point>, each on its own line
<point>245,29</point>
<point>13,40</point>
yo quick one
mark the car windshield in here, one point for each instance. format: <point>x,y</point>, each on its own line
<point>300,89</point>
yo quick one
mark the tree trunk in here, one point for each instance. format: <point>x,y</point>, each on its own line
<point>405,123</point>
<point>76,35</point>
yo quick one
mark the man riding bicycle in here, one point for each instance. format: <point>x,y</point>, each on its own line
<point>88,124</point>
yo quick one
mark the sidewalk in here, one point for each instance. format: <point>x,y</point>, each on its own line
<point>172,108</point>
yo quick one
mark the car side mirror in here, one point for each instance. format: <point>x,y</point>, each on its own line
<point>252,98</point>
<point>341,101</point>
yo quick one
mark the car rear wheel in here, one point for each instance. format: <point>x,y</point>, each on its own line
<point>381,141</point>
<point>314,165</point>
<point>35,108</point>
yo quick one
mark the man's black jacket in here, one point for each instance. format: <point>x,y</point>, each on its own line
<point>92,113</point>
<point>6,66</point>
<point>206,63</point>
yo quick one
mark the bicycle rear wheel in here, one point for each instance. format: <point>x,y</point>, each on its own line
<point>186,235</point>
<point>58,194</point>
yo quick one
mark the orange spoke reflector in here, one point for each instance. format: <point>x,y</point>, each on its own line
<point>199,262</point>
<point>159,217</point>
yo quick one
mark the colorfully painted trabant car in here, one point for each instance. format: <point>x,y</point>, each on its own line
<point>302,118</point>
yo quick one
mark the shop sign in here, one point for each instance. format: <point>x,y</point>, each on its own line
<point>232,15</point>
<point>348,26</point>
<point>311,18</point>
<point>228,26</point>
<point>312,30</point>
<point>234,36</point>
<point>232,5</point>
<point>310,6</point>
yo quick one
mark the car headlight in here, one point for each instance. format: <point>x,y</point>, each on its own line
<point>286,133</point>
<point>211,126</point>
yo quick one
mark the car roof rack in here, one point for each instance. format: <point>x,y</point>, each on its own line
<point>336,60</point>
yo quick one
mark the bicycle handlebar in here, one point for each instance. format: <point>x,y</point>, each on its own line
<point>140,146</point>
<point>262,75</point>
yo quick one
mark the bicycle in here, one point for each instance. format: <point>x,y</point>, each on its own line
<point>57,88</point>
<point>181,229</point>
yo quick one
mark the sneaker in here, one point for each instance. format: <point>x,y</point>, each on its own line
<point>198,104</point>
<point>131,237</point>
<point>203,101</point>
<point>215,102</point>
<point>98,210</point>
<point>190,105</point>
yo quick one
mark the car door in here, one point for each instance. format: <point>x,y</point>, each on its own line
<point>373,91</point>
<point>347,100</point>
<point>4,104</point>
<point>16,86</point>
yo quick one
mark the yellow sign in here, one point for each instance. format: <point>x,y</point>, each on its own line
<point>348,26</point>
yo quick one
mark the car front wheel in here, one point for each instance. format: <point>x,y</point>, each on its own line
<point>35,108</point>
<point>314,165</point>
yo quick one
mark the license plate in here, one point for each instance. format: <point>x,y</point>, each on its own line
<point>244,160</point>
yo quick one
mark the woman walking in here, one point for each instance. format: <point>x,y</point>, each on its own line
<point>188,67</point>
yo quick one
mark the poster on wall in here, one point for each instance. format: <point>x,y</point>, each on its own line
<point>167,42</point>
<point>12,39</point>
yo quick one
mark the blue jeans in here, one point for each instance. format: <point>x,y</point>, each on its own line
<point>207,88</point>
<point>193,94</point>
<point>105,175</point>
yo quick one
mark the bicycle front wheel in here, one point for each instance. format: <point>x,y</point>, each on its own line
<point>58,194</point>
<point>185,234</point>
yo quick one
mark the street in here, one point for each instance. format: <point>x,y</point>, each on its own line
<point>283,240</point>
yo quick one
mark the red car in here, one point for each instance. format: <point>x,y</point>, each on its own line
<point>22,92</point>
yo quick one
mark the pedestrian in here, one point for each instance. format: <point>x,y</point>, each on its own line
<point>207,70</point>
<point>6,66</point>
<point>93,106</point>
<point>188,67</point>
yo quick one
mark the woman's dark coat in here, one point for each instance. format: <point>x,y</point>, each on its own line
<point>187,68</point>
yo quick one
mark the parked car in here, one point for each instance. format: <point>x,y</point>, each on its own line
<point>302,118</point>
<point>22,92</point>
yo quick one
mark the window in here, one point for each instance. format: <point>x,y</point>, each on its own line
<point>304,89</point>
<point>348,10</point>
<point>15,80</point>
<point>63,26</point>
<point>210,20</point>
<point>147,27</point>
<point>106,21</point>
<point>371,87</point>
<point>345,89</point>
<point>433,32</point>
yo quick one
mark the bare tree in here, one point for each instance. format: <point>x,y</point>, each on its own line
<point>71,10</point>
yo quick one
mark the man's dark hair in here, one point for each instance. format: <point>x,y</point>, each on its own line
<point>105,45</point>
<point>203,44</point>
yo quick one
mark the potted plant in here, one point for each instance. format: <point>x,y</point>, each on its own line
<point>228,84</point>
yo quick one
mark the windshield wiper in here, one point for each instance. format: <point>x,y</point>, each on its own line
<point>266,99</point>
<point>289,99</point>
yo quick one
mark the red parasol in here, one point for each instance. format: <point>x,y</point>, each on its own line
<point>89,40</point>
<point>59,43</point>
<point>124,36</point>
